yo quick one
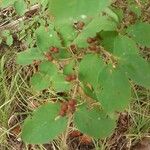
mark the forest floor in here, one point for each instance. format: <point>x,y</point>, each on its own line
<point>16,99</point>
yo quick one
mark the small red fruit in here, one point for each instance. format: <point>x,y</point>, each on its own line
<point>72,102</point>
<point>90,40</point>
<point>75,133</point>
<point>64,106</point>
<point>94,39</point>
<point>54,49</point>
<point>70,78</point>
<point>62,113</point>
<point>92,47</point>
<point>49,56</point>
<point>16,130</point>
<point>84,139</point>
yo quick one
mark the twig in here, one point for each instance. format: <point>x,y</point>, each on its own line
<point>15,23</point>
<point>70,116</point>
<point>64,139</point>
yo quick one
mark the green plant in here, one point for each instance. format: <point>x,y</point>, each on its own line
<point>7,37</point>
<point>80,53</point>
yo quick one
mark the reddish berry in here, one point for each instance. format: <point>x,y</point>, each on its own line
<point>70,78</point>
<point>75,133</point>
<point>16,130</point>
<point>94,39</point>
<point>72,102</point>
<point>73,109</point>
<point>49,56</point>
<point>84,139</point>
<point>62,113</point>
<point>90,40</point>
<point>92,47</point>
<point>64,106</point>
<point>54,49</point>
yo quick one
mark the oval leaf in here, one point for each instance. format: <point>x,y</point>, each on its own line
<point>138,69</point>
<point>48,68</point>
<point>94,122</point>
<point>40,82</point>
<point>20,7</point>
<point>77,8</point>
<point>27,57</point>
<point>43,125</point>
<point>115,93</point>
<point>124,46</point>
<point>89,68</point>
<point>140,32</point>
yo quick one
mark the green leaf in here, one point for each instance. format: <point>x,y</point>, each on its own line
<point>42,39</point>
<point>67,32</point>
<point>89,68</point>
<point>119,45</point>
<point>62,54</point>
<point>54,38</point>
<point>111,14</point>
<point>43,125</point>
<point>140,32</point>
<point>46,39</point>
<point>77,9</point>
<point>6,3</point>
<point>99,23</point>
<point>20,7</point>
<point>27,57</point>
<point>124,46</point>
<point>69,68</point>
<point>94,122</point>
<point>138,69</point>
<point>115,93</point>
<point>89,92</point>
<point>9,40</point>
<point>119,12</point>
<point>48,68</point>
<point>134,65</point>
<point>40,82</point>
<point>108,38</point>
<point>60,84</point>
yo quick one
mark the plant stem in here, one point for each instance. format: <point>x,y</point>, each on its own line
<point>70,116</point>
<point>64,145</point>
